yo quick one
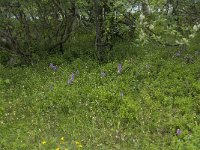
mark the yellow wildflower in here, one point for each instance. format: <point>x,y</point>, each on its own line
<point>62,138</point>
<point>44,142</point>
<point>57,148</point>
<point>78,144</point>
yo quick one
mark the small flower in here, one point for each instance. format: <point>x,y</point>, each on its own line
<point>195,28</point>
<point>78,144</point>
<point>185,41</point>
<point>103,74</point>
<point>178,131</point>
<point>62,138</point>
<point>122,94</point>
<point>191,35</point>
<point>57,148</point>
<point>69,81</point>
<point>147,66</point>
<point>44,142</point>
<point>72,77</point>
<point>54,68</point>
<point>119,68</point>
<point>178,53</point>
<point>145,23</point>
<point>151,27</point>
<point>51,65</point>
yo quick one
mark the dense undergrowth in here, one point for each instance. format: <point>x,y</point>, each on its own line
<point>154,103</point>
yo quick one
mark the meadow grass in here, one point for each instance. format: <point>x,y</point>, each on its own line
<point>152,103</point>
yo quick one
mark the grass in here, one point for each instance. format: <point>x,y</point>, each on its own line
<point>156,94</point>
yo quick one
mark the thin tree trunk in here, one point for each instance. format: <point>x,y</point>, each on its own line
<point>98,40</point>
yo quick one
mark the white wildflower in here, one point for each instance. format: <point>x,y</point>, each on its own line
<point>195,28</point>
<point>185,41</point>
<point>191,35</point>
<point>151,27</point>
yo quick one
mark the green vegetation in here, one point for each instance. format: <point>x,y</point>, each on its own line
<point>156,93</point>
<point>105,75</point>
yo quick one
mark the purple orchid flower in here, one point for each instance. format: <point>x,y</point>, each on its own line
<point>72,77</point>
<point>54,68</point>
<point>70,81</point>
<point>178,131</point>
<point>119,68</point>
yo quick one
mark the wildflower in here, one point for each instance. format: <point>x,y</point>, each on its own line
<point>103,74</point>
<point>69,81</point>
<point>191,35</point>
<point>178,42</point>
<point>119,68</point>
<point>178,131</point>
<point>62,138</point>
<point>122,94</point>
<point>195,28</point>
<point>51,65</point>
<point>54,68</point>
<point>178,53</point>
<point>44,142</point>
<point>151,27</point>
<point>72,77</point>
<point>147,66</point>
<point>57,148</point>
<point>185,41</point>
<point>78,144</point>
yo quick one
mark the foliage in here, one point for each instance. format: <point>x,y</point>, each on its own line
<point>34,29</point>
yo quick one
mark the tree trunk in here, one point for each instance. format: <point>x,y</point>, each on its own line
<point>98,21</point>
